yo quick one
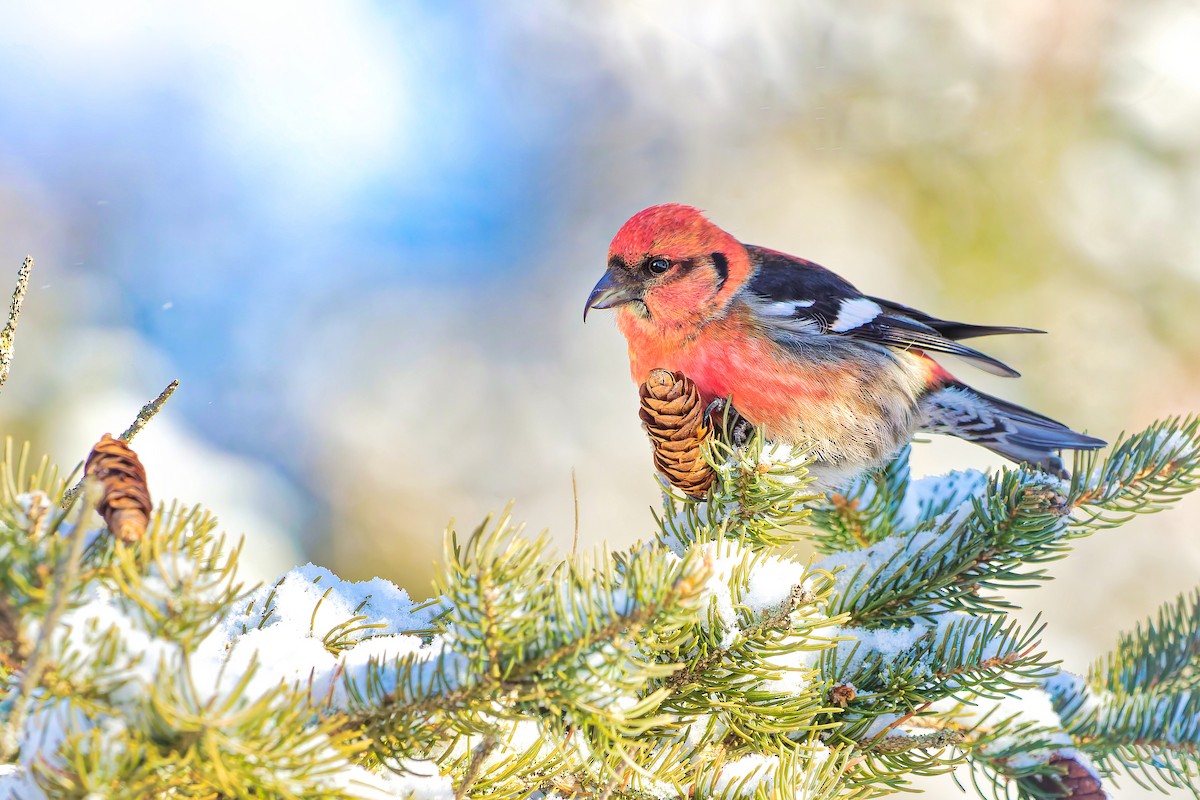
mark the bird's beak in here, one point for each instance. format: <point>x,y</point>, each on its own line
<point>609,292</point>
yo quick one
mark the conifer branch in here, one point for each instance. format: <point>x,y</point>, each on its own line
<point>12,648</point>
<point>764,491</point>
<point>66,574</point>
<point>777,619</point>
<point>1149,733</point>
<point>704,664</point>
<point>427,697</point>
<point>1163,653</point>
<point>867,512</point>
<point>1142,473</point>
<point>1016,524</point>
<point>965,656</point>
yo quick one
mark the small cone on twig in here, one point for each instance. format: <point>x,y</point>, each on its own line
<point>1077,783</point>
<point>673,416</point>
<point>125,504</point>
<point>841,695</point>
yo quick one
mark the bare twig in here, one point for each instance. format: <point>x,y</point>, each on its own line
<point>65,576</point>
<point>614,782</point>
<point>894,725</point>
<point>12,648</point>
<point>8,335</point>
<point>145,415</point>
<point>148,411</point>
<point>935,740</point>
<point>475,767</point>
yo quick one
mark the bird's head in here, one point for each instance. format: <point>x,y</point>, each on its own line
<point>670,266</point>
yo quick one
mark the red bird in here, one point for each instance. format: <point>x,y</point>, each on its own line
<point>802,354</point>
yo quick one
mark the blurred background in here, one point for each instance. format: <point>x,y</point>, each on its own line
<point>361,236</point>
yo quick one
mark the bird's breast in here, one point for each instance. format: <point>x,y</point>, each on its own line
<point>855,403</point>
<point>730,358</point>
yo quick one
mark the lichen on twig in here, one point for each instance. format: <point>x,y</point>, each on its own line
<point>145,415</point>
<point>8,335</point>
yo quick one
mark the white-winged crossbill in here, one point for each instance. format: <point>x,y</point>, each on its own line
<point>801,353</point>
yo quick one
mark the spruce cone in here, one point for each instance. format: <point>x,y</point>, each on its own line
<point>125,505</point>
<point>673,416</point>
<point>1078,783</point>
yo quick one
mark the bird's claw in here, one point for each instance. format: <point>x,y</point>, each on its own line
<point>724,417</point>
<point>741,432</point>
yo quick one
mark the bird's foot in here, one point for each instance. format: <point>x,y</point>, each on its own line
<point>741,432</point>
<point>723,417</point>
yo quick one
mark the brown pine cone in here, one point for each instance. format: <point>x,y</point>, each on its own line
<point>125,504</point>
<point>674,419</point>
<point>1077,783</point>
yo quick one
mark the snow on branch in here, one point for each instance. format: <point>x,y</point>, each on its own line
<point>708,662</point>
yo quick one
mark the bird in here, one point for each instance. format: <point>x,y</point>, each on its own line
<point>803,355</point>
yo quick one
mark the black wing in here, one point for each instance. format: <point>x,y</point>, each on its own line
<point>951,330</point>
<point>802,297</point>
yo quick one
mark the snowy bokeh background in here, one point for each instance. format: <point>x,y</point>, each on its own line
<point>361,235</point>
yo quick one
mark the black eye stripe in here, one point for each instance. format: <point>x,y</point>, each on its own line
<point>721,264</point>
<point>658,265</point>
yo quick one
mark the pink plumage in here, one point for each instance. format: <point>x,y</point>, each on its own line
<point>801,353</point>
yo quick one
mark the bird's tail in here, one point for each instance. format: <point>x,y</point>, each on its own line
<point>1005,428</point>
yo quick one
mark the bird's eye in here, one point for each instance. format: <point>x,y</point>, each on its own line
<point>659,265</point>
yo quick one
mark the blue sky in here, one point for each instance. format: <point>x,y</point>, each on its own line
<point>238,175</point>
